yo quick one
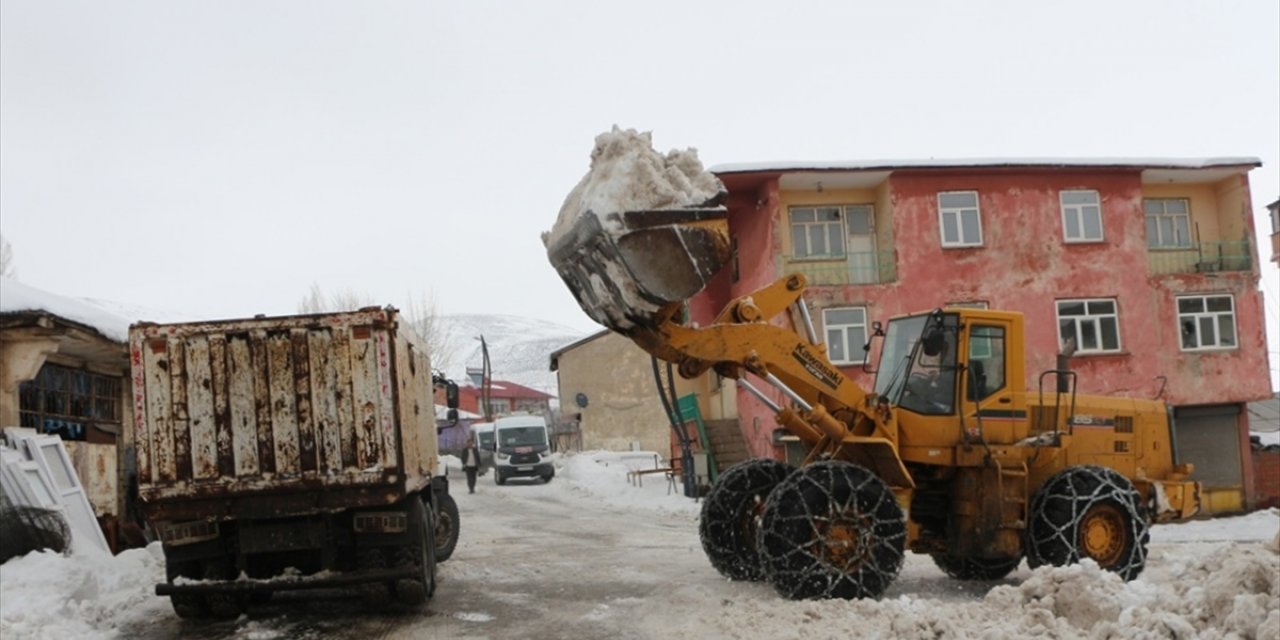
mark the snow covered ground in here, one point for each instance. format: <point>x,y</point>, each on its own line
<point>1204,579</point>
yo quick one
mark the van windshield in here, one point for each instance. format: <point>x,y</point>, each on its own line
<point>485,439</point>
<point>522,436</point>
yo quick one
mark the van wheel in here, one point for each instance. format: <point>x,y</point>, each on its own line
<point>498,478</point>
<point>1088,512</point>
<point>731,512</point>
<point>446,527</point>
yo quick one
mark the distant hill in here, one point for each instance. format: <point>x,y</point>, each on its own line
<point>519,348</point>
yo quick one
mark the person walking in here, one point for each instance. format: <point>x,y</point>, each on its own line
<point>471,463</point>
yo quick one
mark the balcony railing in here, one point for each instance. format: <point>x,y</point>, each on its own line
<point>868,267</point>
<point>1204,257</point>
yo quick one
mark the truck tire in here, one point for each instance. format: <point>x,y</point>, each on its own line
<point>186,605</point>
<point>447,524</point>
<point>975,568</point>
<point>1088,512</point>
<point>420,553</point>
<point>498,478</point>
<point>831,530</point>
<point>223,605</point>
<point>731,512</point>
<point>374,595</point>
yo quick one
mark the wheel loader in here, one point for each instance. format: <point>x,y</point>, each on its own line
<point>952,454</point>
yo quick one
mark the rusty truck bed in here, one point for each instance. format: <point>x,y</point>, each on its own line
<point>284,415</point>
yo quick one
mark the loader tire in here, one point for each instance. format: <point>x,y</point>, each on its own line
<point>731,512</point>
<point>447,523</point>
<point>1088,512</point>
<point>832,530</point>
<point>975,568</point>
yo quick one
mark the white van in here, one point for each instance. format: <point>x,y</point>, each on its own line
<point>521,449</point>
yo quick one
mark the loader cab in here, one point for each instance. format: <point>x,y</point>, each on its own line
<point>918,363</point>
<point>950,361</point>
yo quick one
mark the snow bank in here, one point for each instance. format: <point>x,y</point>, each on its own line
<point>1234,593</point>
<point>602,476</point>
<point>84,595</point>
<point>627,174</point>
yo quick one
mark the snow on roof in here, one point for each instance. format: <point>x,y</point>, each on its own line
<point>934,163</point>
<point>16,297</point>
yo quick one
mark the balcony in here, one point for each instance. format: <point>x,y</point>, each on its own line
<point>1204,257</point>
<point>868,267</point>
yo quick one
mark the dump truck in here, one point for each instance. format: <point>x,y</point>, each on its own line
<point>288,453</point>
<point>957,452</point>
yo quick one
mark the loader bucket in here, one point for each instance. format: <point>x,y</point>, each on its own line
<point>623,274</point>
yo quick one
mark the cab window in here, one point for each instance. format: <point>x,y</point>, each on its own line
<point>986,361</point>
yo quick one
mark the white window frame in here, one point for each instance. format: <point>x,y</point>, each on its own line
<point>959,213</point>
<point>1213,317</point>
<point>832,229</point>
<point>1158,242</point>
<point>854,353</point>
<point>1097,320</point>
<point>1078,212</point>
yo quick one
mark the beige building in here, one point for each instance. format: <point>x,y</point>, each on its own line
<point>64,370</point>
<point>608,381</point>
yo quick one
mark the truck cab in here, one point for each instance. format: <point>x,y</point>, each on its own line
<point>521,449</point>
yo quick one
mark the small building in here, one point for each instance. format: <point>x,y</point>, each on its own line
<point>64,370</point>
<point>607,382</point>
<point>505,398</point>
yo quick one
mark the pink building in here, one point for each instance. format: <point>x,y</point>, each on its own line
<point>1149,267</point>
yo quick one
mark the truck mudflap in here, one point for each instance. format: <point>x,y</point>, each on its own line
<point>326,580</point>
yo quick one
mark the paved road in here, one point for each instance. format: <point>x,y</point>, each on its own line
<point>532,562</point>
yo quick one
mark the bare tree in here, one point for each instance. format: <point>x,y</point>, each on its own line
<point>421,315</point>
<point>7,270</point>
<point>317,301</point>
<point>431,327</point>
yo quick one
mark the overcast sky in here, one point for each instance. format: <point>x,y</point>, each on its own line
<point>217,158</point>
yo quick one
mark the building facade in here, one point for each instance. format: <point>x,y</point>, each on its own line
<point>1146,271</point>
<point>606,382</point>
<point>64,370</point>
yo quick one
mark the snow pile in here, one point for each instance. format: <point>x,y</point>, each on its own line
<point>84,595</point>
<point>602,476</point>
<point>1233,591</point>
<point>627,174</point>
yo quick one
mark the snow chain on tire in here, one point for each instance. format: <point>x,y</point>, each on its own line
<point>731,513</point>
<point>832,530</point>
<point>1078,500</point>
